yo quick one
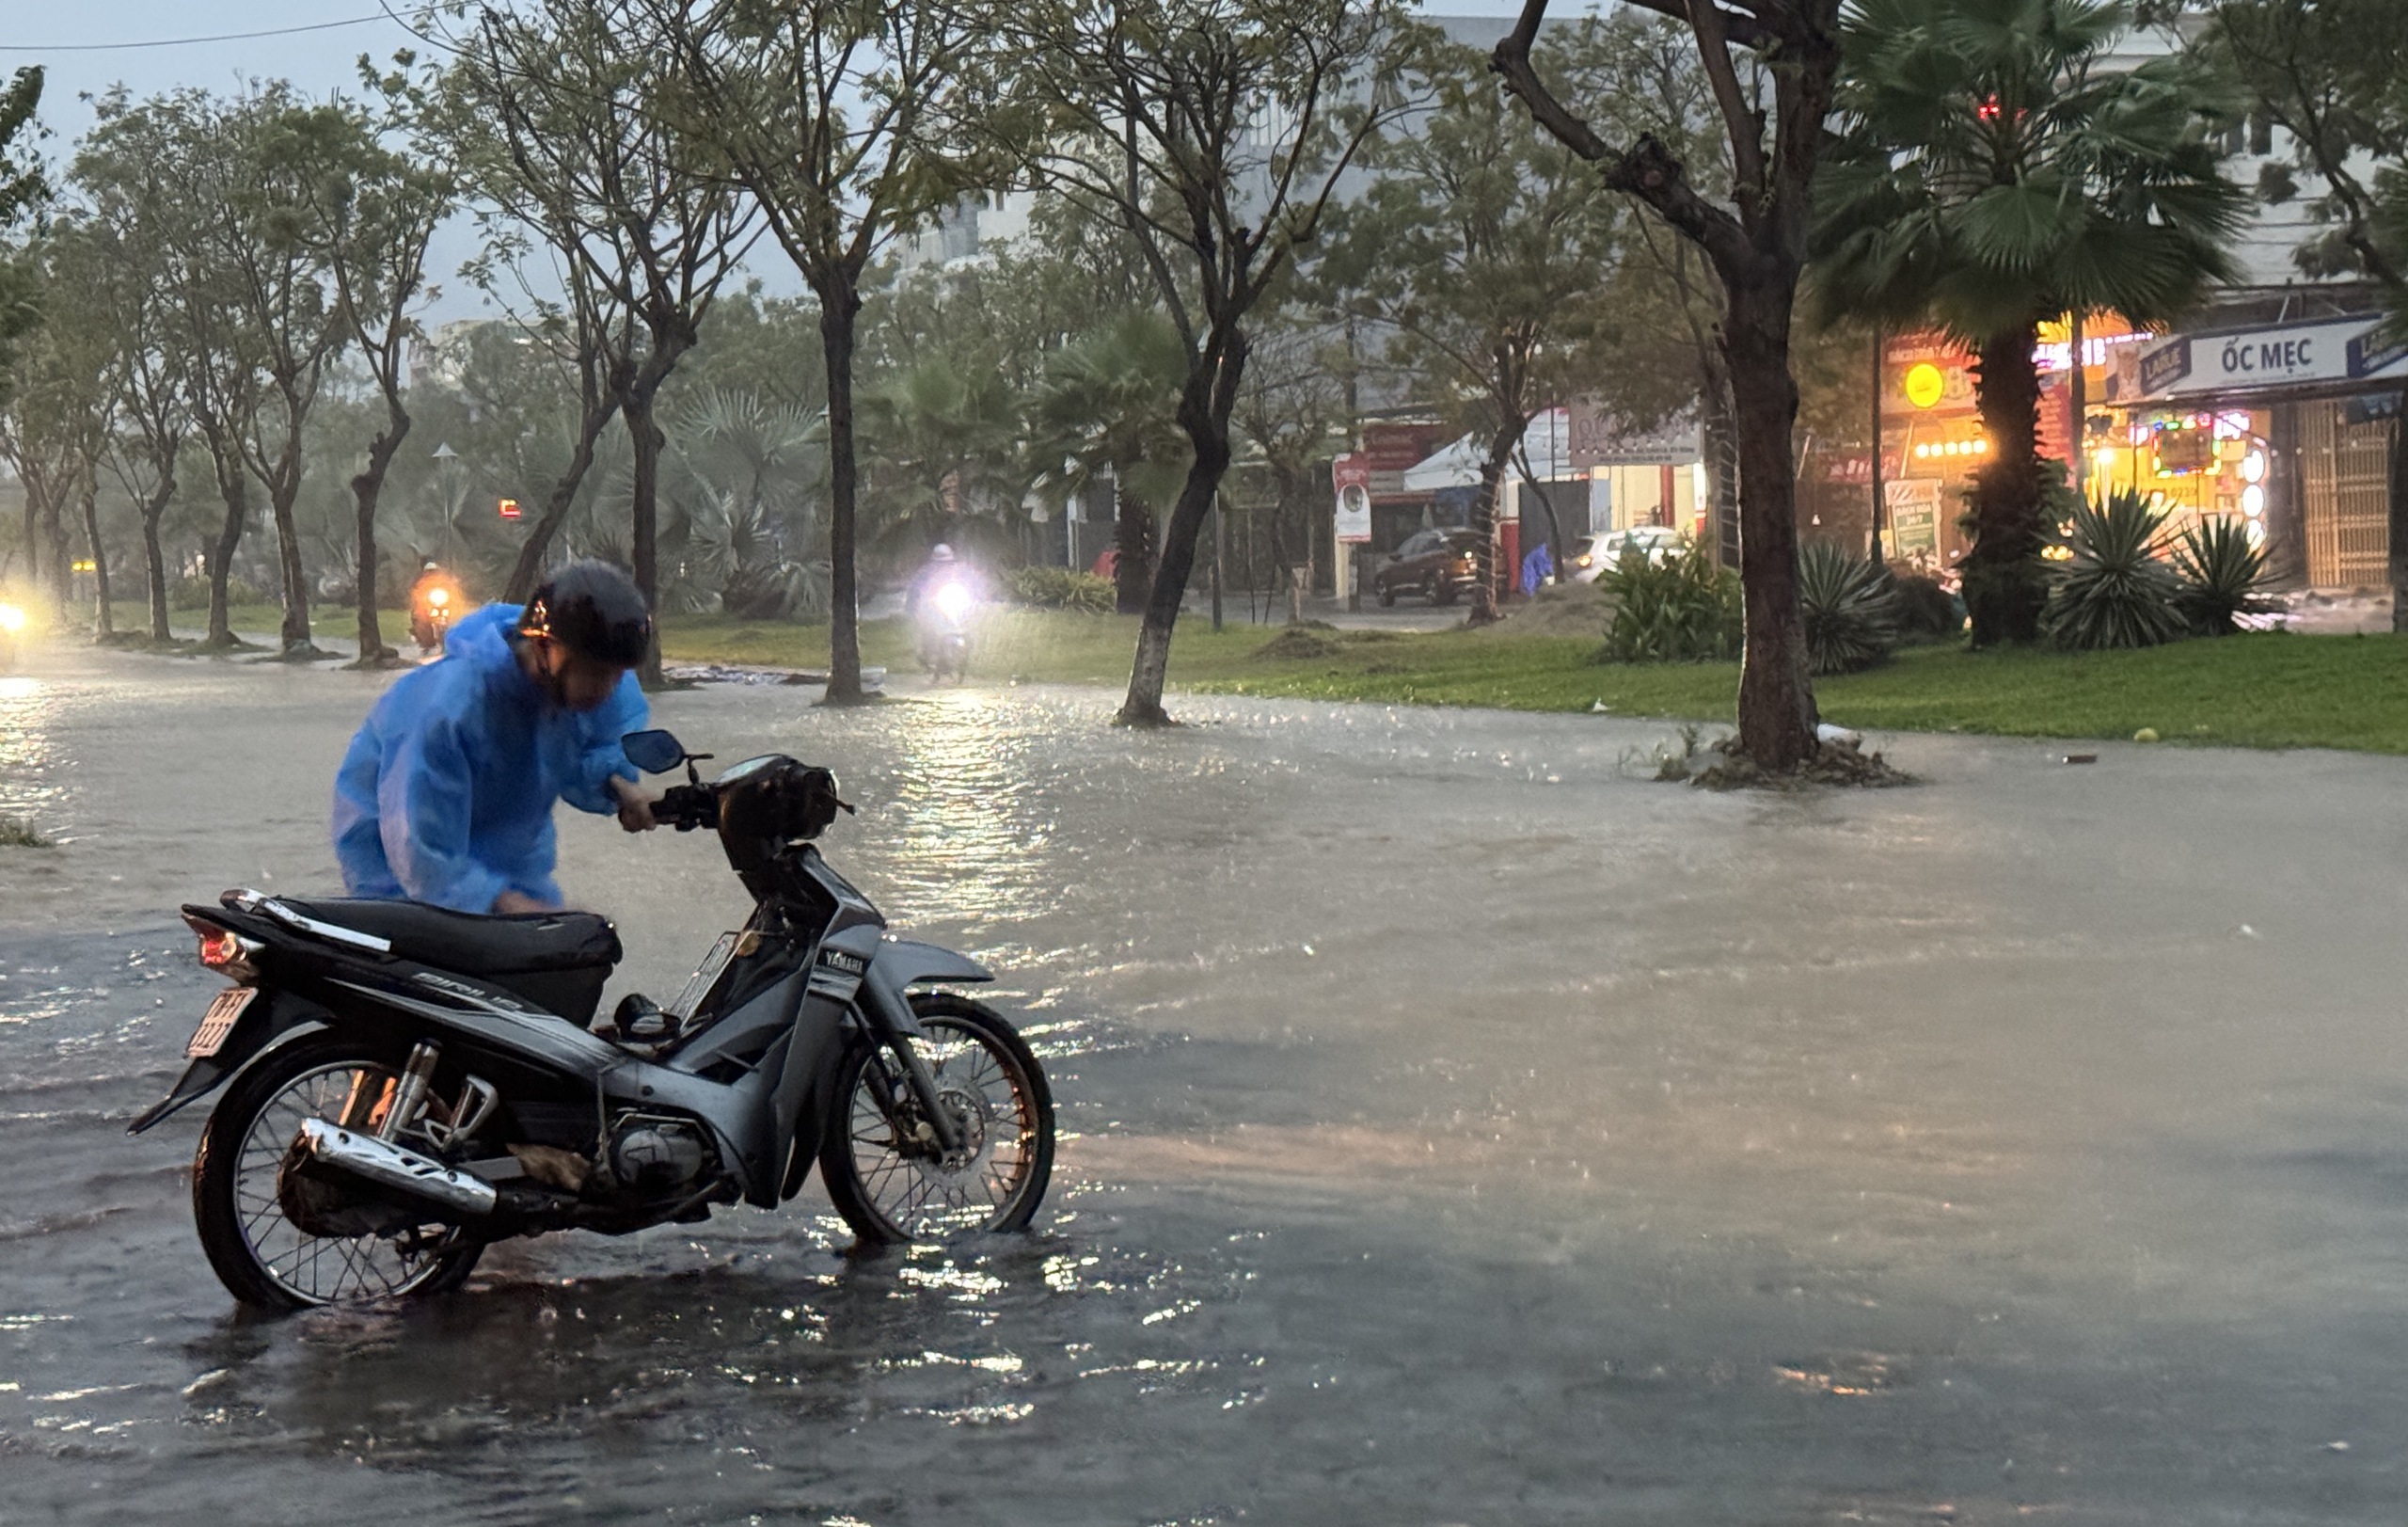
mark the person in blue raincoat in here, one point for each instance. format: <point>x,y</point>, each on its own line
<point>446,795</point>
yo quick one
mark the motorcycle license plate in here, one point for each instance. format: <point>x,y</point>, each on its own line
<point>218,1022</point>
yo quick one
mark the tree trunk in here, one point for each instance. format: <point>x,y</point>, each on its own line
<point>1133,540</point>
<point>1777,715</point>
<point>1719,436</point>
<point>283,487</point>
<point>33,524</point>
<point>221,560</point>
<point>1204,415</point>
<point>838,307</point>
<point>154,560</point>
<point>527,570</point>
<point>1143,705</point>
<point>643,542</point>
<point>1483,519</point>
<point>365,489</point>
<point>2398,526</point>
<point>103,622</point>
<point>53,529</point>
<point>2003,588</point>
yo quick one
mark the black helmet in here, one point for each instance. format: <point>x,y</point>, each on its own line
<point>594,610</point>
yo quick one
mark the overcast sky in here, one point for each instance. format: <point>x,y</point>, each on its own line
<point>60,35</point>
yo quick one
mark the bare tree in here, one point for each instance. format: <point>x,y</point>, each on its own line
<point>121,263</point>
<point>1484,253</point>
<point>843,120</point>
<point>1756,242</point>
<point>404,182</point>
<point>282,162</point>
<point>1214,133</point>
<point>590,156</point>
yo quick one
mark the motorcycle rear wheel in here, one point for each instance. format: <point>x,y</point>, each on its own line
<point>988,1072</point>
<point>261,1257</point>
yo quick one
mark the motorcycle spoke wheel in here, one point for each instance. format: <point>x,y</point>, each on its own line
<point>991,1084</point>
<point>309,1269</point>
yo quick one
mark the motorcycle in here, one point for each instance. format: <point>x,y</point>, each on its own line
<point>12,631</point>
<point>406,1085</point>
<point>432,613</point>
<point>944,631</point>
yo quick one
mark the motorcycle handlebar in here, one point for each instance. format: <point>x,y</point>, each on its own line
<point>686,807</point>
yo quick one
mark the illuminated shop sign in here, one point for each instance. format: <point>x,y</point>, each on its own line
<point>2336,350</point>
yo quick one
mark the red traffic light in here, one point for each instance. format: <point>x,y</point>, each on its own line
<point>509,508</point>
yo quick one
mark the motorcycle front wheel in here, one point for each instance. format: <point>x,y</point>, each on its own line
<point>261,1256</point>
<point>889,1187</point>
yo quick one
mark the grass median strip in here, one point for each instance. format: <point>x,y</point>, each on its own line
<point>2253,691</point>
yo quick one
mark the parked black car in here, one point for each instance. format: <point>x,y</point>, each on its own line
<point>1436,564</point>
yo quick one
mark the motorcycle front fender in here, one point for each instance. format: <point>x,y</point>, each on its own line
<point>902,961</point>
<point>272,1017</point>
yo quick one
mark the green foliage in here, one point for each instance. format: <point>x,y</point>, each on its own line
<point>1059,588</point>
<point>1482,247</point>
<point>2327,73</point>
<point>1683,609</point>
<point>23,188</point>
<point>1108,407</point>
<point>1850,608</point>
<point>2114,591</point>
<point>1925,611</point>
<point>1991,171</point>
<point>190,593</point>
<point>2222,573</point>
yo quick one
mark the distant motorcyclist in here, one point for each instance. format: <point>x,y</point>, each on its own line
<point>942,598</point>
<point>435,603</point>
<point>446,794</point>
<point>942,568</point>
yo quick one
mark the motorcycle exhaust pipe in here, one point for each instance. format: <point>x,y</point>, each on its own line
<point>460,1195</point>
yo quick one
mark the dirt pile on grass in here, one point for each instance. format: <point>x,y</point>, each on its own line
<point>1311,640</point>
<point>1315,640</point>
<point>1561,610</point>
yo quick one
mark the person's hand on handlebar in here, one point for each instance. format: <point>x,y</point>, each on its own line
<point>635,807</point>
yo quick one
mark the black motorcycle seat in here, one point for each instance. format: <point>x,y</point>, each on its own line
<point>475,943</point>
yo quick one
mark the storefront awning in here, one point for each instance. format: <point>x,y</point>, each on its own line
<point>1547,443</point>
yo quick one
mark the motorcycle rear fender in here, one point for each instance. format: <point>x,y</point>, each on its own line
<point>272,1017</point>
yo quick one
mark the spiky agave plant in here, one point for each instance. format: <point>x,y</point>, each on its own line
<point>2114,590</point>
<point>1850,607</point>
<point>2222,573</point>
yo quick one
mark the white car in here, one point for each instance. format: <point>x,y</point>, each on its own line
<point>1592,554</point>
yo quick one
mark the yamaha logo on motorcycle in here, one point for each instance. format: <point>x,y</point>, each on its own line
<point>406,1085</point>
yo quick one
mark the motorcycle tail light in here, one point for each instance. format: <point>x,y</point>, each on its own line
<point>224,951</point>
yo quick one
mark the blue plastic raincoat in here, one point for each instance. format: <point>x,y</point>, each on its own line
<point>446,795</point>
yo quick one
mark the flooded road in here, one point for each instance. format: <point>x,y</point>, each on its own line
<point>1458,1129</point>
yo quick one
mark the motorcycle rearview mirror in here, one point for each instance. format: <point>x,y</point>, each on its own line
<point>655,752</point>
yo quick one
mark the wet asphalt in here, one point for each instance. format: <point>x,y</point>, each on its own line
<point>1459,1129</point>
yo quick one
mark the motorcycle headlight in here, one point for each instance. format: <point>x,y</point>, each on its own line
<point>953,602</point>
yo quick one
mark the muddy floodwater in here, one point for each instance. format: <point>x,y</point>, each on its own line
<point>1459,1129</point>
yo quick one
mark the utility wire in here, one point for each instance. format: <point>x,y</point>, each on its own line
<point>189,41</point>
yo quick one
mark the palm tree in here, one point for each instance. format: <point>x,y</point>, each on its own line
<point>744,487</point>
<point>1990,175</point>
<point>1109,406</point>
<point>941,439</point>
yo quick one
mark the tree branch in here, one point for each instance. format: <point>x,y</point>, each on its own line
<point>1646,170</point>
